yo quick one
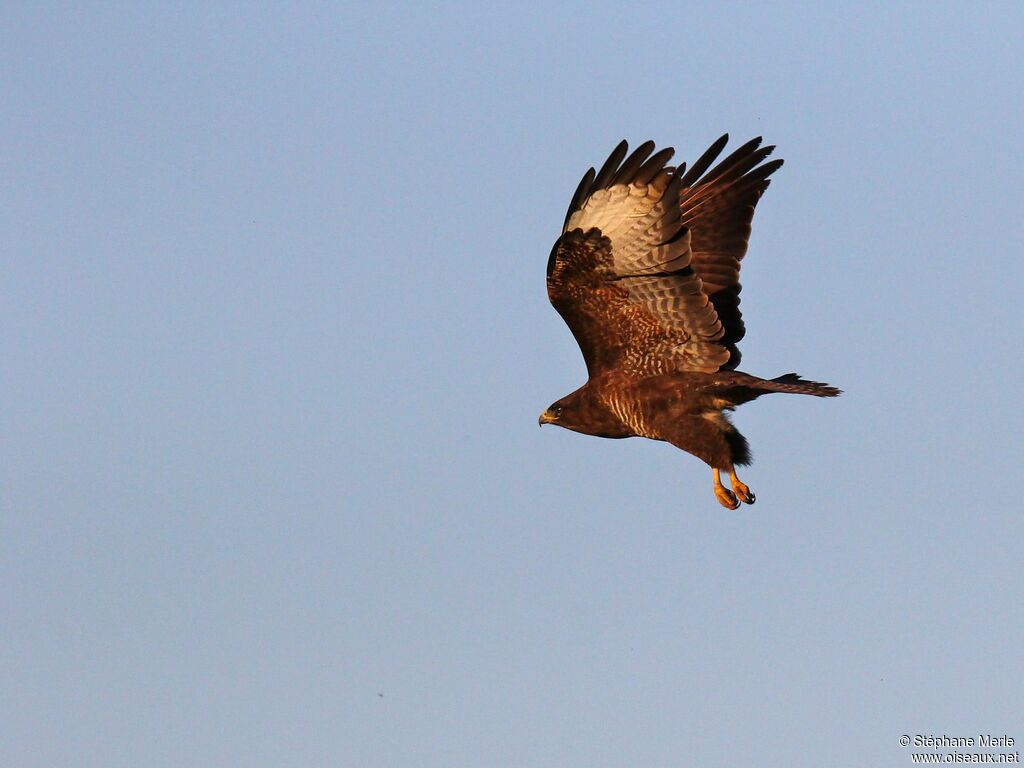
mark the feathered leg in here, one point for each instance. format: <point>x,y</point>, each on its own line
<point>713,439</point>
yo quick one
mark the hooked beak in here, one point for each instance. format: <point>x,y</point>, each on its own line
<point>545,418</point>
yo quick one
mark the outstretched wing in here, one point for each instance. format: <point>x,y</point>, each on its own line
<point>718,207</point>
<point>621,275</point>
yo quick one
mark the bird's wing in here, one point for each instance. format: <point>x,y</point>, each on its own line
<point>621,275</point>
<point>717,207</point>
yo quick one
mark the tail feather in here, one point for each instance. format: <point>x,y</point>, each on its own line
<point>793,384</point>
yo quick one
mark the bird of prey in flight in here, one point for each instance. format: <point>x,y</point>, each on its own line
<point>646,276</point>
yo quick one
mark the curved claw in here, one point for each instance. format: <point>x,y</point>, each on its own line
<point>742,491</point>
<point>725,497</point>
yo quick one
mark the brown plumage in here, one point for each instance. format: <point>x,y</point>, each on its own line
<point>646,276</point>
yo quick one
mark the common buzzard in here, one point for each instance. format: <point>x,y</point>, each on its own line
<point>646,276</point>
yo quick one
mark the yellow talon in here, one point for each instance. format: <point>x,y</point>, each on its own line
<point>725,497</point>
<point>742,491</point>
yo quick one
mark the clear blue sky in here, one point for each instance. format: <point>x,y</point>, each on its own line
<point>275,338</point>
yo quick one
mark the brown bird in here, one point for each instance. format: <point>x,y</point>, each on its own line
<point>646,276</point>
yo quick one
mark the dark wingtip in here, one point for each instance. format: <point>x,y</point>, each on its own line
<point>611,165</point>
<point>654,165</point>
<point>632,164</point>
<point>581,193</point>
<point>768,169</point>
<point>705,160</point>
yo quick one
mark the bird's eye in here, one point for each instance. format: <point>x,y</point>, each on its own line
<point>556,410</point>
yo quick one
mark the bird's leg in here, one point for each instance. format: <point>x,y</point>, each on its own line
<point>745,495</point>
<point>725,497</point>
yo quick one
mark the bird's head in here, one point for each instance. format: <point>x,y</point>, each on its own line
<point>551,415</point>
<point>563,413</point>
<point>582,412</point>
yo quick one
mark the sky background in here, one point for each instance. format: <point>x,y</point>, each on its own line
<point>275,338</point>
